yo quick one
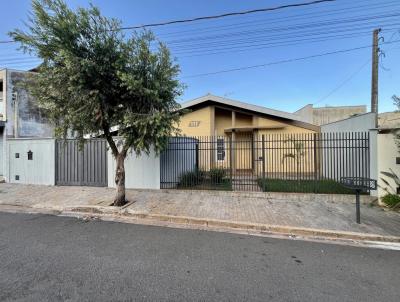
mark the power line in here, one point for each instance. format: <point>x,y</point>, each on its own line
<point>214,16</point>
<point>343,83</point>
<point>263,33</point>
<point>7,41</point>
<point>14,60</point>
<point>276,44</point>
<point>284,61</point>
<point>284,19</point>
<point>257,43</point>
<point>298,26</point>
<point>352,75</point>
<point>227,14</point>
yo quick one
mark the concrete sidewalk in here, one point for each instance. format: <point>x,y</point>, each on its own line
<point>323,213</point>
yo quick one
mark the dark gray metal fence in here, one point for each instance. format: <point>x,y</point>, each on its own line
<point>85,167</point>
<point>309,162</point>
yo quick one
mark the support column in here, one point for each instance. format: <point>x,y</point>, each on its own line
<point>233,138</point>
<point>254,145</point>
<point>212,121</point>
<point>213,140</point>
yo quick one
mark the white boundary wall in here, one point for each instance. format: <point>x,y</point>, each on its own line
<point>358,123</point>
<point>38,171</point>
<point>141,172</point>
<point>361,123</point>
<point>388,151</point>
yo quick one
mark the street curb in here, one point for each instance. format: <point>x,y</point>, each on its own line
<point>244,226</point>
<point>287,231</point>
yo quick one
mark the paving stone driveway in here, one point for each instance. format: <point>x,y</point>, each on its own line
<point>319,212</point>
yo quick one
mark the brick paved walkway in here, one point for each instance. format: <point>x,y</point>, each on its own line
<point>276,209</point>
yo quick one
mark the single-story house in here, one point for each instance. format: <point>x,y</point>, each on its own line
<point>218,121</point>
<point>212,115</point>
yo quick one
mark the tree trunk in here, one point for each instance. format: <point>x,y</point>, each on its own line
<point>120,181</point>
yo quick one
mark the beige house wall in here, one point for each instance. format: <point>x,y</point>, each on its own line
<point>287,151</point>
<point>243,120</point>
<point>223,120</point>
<point>197,123</point>
<point>277,160</point>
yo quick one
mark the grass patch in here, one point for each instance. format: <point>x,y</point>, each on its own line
<point>324,186</point>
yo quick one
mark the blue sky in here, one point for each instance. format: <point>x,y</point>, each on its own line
<point>232,42</point>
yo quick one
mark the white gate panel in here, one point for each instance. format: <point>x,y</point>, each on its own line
<point>31,161</point>
<point>1,155</point>
<point>141,172</point>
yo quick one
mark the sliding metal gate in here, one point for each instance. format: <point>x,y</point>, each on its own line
<point>81,167</point>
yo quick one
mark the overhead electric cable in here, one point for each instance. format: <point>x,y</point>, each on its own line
<point>306,16</point>
<point>216,16</point>
<point>283,61</point>
<point>348,79</point>
<point>227,14</point>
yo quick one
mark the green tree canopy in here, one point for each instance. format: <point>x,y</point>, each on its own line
<point>95,80</point>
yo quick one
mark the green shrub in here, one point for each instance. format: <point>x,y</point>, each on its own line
<point>217,175</point>
<point>191,178</point>
<point>391,200</point>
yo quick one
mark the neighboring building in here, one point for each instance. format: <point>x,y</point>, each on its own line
<point>20,115</point>
<point>325,115</point>
<point>389,120</point>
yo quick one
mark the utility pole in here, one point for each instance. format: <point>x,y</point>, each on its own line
<point>375,66</point>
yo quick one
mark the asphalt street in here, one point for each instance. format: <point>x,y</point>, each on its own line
<point>50,258</point>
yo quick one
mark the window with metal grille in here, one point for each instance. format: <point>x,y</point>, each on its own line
<point>220,149</point>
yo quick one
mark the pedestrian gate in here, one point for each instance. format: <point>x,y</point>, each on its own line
<point>86,166</point>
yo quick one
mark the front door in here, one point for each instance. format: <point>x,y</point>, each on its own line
<point>243,147</point>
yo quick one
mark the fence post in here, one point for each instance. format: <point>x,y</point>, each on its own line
<point>315,161</point>
<point>197,156</point>
<point>56,168</point>
<point>358,216</point>
<point>263,160</point>
<point>231,159</point>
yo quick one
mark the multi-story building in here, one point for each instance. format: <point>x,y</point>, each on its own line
<point>20,115</point>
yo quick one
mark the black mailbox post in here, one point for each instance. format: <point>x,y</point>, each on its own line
<point>359,184</point>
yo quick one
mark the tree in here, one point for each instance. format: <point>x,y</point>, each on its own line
<point>95,80</point>
<point>297,153</point>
